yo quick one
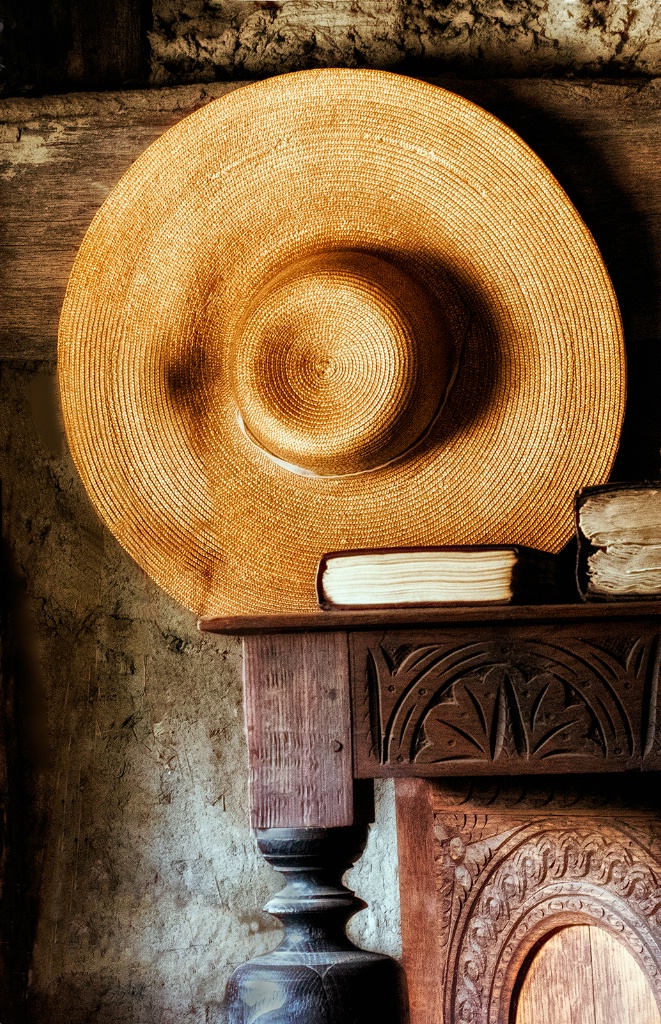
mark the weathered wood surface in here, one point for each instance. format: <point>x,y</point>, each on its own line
<point>61,156</point>
<point>506,878</point>
<point>298,723</point>
<point>584,975</point>
<point>457,615</point>
<point>504,698</point>
<point>421,938</point>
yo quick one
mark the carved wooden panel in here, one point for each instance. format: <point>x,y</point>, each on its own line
<point>506,699</point>
<point>501,880</point>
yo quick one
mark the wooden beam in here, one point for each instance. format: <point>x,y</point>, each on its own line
<point>298,724</point>
<point>422,937</point>
<point>60,158</point>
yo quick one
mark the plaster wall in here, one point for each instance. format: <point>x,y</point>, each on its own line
<point>200,40</point>
<point>147,881</point>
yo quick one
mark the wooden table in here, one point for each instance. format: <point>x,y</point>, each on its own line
<point>496,722</point>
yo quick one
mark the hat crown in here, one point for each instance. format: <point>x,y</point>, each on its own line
<point>340,363</point>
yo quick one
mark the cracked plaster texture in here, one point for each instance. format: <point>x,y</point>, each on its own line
<point>201,40</point>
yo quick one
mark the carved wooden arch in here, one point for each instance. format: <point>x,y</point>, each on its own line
<point>520,887</point>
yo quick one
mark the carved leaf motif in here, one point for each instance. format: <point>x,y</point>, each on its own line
<point>465,848</point>
<point>501,713</point>
<point>471,698</point>
<point>468,724</point>
<point>558,720</point>
<point>533,698</point>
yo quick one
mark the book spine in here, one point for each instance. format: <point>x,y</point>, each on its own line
<point>319,584</point>
<point>535,578</point>
<point>583,547</point>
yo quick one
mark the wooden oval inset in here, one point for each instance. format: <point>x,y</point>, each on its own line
<point>585,975</point>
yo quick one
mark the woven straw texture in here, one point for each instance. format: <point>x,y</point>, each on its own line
<point>337,309</point>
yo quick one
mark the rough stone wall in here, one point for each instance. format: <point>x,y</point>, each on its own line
<point>149,884</point>
<point>201,40</point>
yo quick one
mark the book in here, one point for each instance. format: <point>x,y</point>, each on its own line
<point>619,541</point>
<point>402,577</point>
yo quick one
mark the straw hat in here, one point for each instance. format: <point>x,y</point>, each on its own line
<point>336,309</point>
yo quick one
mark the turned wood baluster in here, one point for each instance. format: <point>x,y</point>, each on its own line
<point>310,828</point>
<point>316,975</point>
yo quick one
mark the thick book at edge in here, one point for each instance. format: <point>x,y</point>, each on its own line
<point>407,577</point>
<point>618,529</point>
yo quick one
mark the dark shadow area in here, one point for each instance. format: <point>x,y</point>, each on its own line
<point>62,45</point>
<point>22,757</point>
<point>615,792</point>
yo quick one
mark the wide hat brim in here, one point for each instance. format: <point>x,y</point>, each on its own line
<point>300,164</point>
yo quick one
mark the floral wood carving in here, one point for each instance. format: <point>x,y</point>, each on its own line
<point>503,884</point>
<point>527,699</point>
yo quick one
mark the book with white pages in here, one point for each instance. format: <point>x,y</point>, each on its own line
<point>404,577</point>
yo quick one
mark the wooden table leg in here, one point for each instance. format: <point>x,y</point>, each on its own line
<point>309,827</point>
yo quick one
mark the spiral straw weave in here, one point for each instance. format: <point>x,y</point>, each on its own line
<point>336,309</point>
